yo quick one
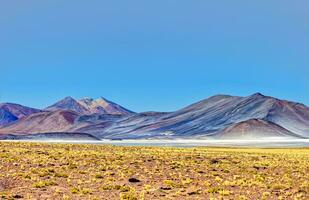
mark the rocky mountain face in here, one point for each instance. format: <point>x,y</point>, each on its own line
<point>43,122</point>
<point>220,116</point>
<point>88,106</point>
<point>67,114</point>
<point>68,103</point>
<point>10,112</point>
<point>209,117</point>
<point>254,129</point>
<point>6,117</point>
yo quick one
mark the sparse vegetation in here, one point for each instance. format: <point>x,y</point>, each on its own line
<point>67,171</point>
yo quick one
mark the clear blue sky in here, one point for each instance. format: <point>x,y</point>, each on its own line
<point>152,55</point>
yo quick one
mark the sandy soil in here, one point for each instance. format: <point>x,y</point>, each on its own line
<point>87,171</point>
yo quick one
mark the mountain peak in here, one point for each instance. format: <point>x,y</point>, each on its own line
<point>220,96</point>
<point>88,106</point>
<point>68,103</point>
<point>258,94</point>
<point>103,102</point>
<point>68,98</point>
<point>86,99</point>
<point>223,115</point>
<point>89,99</point>
<point>102,106</point>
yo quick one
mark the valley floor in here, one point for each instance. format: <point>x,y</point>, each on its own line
<point>87,171</point>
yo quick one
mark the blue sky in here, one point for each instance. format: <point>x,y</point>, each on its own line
<point>152,55</point>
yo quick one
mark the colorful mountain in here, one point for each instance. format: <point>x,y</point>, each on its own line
<point>89,106</point>
<point>10,112</point>
<point>220,116</point>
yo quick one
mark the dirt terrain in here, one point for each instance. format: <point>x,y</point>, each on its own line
<point>67,171</point>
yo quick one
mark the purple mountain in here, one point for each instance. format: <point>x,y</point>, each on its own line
<point>6,117</point>
<point>68,103</point>
<point>89,106</point>
<point>220,116</point>
<point>211,116</point>
<point>10,112</point>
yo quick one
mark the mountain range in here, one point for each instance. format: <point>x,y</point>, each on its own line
<point>218,117</point>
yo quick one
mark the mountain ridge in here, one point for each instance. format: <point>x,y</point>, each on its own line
<point>206,118</point>
<point>254,129</point>
<point>11,112</point>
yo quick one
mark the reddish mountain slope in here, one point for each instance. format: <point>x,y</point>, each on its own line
<point>254,129</point>
<point>218,116</point>
<point>57,121</point>
<point>89,106</point>
<point>10,112</point>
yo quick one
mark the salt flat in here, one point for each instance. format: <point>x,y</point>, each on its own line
<point>262,143</point>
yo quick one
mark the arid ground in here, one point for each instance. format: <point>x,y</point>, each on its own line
<point>81,171</point>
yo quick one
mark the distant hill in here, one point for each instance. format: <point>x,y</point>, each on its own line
<point>10,112</point>
<point>254,129</point>
<point>220,116</point>
<point>210,116</point>
<point>6,117</point>
<point>42,122</point>
<point>89,106</point>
